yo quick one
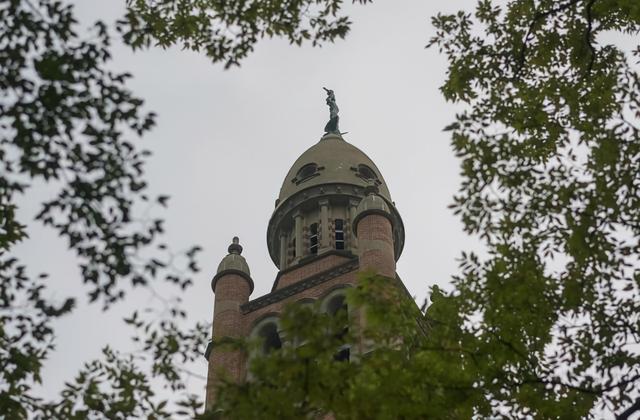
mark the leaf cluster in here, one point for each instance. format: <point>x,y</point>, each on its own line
<point>227,31</point>
<point>67,120</point>
<point>550,153</point>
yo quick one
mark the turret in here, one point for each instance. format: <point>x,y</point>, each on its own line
<point>373,226</point>
<point>232,286</point>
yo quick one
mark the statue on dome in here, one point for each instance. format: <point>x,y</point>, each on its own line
<point>332,125</point>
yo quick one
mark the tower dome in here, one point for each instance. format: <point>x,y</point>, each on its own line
<point>318,201</point>
<point>332,161</point>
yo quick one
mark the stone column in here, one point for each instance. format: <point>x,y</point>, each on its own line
<point>283,250</point>
<point>325,244</point>
<point>297,217</point>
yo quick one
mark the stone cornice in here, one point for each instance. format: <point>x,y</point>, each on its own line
<point>300,286</point>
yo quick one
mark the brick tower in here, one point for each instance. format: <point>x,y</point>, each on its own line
<point>333,218</point>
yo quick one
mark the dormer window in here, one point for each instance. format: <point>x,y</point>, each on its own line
<point>367,173</point>
<point>308,171</point>
<point>337,306</point>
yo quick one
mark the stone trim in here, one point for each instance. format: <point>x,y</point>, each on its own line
<point>231,271</point>
<point>300,286</point>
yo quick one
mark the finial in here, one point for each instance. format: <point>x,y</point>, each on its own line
<point>235,247</point>
<point>332,125</point>
<point>371,188</point>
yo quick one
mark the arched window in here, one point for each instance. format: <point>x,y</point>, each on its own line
<point>265,334</point>
<point>270,338</point>
<point>313,239</point>
<point>339,231</point>
<point>336,305</point>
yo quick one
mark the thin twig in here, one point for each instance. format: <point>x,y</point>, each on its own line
<point>587,36</point>
<point>629,411</point>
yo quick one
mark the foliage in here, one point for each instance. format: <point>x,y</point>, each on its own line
<point>227,31</point>
<point>403,364</point>
<point>548,324</point>
<point>544,326</point>
<point>65,119</point>
<point>303,379</point>
<point>113,388</point>
<point>550,154</point>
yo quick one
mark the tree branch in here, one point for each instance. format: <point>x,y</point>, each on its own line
<point>629,411</point>
<point>539,16</point>
<point>594,391</point>
<point>587,36</point>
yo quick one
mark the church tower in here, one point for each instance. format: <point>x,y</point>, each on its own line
<point>333,218</point>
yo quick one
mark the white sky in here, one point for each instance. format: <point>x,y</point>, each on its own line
<point>226,139</point>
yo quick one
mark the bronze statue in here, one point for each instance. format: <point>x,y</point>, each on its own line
<point>332,125</point>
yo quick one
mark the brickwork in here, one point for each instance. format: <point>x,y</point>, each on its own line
<point>375,242</point>
<point>375,238</point>
<point>311,293</point>
<point>232,290</point>
<point>306,270</point>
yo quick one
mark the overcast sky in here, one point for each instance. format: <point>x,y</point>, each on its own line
<point>226,139</point>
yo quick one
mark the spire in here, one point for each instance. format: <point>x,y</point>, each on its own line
<point>235,247</point>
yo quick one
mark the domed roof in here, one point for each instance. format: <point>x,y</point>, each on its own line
<point>233,263</point>
<point>332,160</point>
